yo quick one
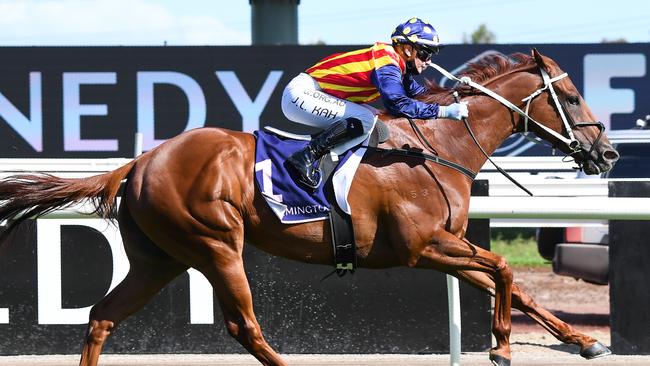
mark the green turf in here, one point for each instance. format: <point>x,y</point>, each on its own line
<point>519,248</point>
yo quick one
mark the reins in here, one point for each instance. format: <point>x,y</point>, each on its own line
<point>571,142</point>
<point>444,162</point>
<point>499,169</point>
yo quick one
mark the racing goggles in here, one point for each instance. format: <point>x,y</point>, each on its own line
<point>424,53</point>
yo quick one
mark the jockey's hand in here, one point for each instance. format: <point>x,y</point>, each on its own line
<point>455,111</point>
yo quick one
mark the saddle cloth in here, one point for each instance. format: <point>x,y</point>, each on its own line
<point>292,202</point>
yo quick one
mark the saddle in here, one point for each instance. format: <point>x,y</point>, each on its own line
<point>328,201</point>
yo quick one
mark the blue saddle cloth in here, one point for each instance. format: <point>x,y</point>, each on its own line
<point>291,201</point>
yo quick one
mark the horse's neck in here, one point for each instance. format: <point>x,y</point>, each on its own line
<point>490,121</point>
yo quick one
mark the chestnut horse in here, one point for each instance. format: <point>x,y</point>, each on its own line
<point>191,202</point>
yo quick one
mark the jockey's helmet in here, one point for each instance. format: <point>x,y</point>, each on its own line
<point>418,33</point>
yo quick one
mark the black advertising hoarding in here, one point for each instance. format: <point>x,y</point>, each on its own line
<point>53,270</point>
<point>90,101</point>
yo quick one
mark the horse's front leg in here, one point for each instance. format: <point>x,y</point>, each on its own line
<point>589,347</point>
<point>448,253</point>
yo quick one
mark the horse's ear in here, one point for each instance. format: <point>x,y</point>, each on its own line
<point>539,59</point>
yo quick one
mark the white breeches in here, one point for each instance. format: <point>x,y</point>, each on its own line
<point>304,102</point>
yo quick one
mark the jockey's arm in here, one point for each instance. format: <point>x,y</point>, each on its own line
<point>412,87</point>
<point>388,80</point>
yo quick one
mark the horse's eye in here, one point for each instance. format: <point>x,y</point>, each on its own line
<point>573,100</point>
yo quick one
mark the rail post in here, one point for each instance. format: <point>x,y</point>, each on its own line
<point>629,275</point>
<point>478,232</point>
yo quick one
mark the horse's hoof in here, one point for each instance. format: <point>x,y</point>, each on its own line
<point>499,360</point>
<point>595,350</point>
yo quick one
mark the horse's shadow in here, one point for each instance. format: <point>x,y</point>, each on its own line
<point>567,348</point>
<point>576,319</point>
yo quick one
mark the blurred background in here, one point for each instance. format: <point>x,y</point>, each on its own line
<point>335,22</point>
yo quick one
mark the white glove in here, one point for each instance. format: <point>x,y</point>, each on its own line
<point>455,111</point>
<point>465,80</point>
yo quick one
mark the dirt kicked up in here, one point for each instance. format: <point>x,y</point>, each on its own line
<point>531,345</point>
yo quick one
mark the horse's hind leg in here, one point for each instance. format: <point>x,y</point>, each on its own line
<point>448,253</point>
<point>150,270</point>
<point>231,286</point>
<point>215,249</point>
<point>589,347</point>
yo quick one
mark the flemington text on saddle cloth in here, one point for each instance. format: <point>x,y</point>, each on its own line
<point>291,202</point>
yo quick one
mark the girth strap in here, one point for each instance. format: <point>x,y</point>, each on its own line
<point>345,248</point>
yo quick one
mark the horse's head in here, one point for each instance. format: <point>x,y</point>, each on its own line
<point>570,124</point>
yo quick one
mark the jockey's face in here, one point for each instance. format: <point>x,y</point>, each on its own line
<point>421,63</point>
<point>417,60</point>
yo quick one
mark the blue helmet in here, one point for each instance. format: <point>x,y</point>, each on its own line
<point>419,33</point>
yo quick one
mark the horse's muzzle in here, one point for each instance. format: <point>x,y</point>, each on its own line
<point>600,160</point>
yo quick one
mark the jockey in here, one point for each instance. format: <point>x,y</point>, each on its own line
<point>332,93</point>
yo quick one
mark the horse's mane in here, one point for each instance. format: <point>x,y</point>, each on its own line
<point>481,71</point>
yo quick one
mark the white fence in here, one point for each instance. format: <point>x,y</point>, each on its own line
<point>506,205</point>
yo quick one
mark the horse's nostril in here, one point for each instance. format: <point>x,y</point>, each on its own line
<point>611,155</point>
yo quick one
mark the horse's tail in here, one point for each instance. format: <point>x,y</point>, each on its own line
<point>27,196</point>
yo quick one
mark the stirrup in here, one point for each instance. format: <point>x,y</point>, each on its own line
<point>320,180</point>
<point>302,165</point>
<point>303,180</point>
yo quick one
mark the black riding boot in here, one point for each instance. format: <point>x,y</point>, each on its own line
<point>303,160</point>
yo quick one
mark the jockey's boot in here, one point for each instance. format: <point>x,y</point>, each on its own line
<point>303,160</point>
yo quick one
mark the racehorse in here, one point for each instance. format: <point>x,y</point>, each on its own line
<point>191,202</point>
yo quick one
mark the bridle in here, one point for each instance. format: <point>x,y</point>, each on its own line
<point>572,144</point>
<point>570,141</point>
